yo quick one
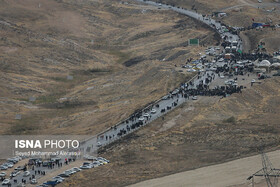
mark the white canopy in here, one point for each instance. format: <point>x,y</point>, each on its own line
<point>264,63</point>
<point>276,64</point>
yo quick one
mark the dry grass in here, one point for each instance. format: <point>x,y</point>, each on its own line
<point>92,41</point>
<point>206,132</point>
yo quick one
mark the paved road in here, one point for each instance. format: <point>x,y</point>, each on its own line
<point>47,170</point>
<point>211,22</point>
<point>154,111</point>
<point>110,135</point>
<point>163,104</point>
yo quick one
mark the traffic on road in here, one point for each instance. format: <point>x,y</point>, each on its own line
<point>219,71</point>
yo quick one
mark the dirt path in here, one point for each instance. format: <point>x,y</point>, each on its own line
<point>227,174</point>
<point>246,42</point>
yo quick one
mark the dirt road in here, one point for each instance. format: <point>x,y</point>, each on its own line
<point>226,174</point>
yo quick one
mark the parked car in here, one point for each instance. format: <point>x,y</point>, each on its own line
<point>45,164</point>
<point>51,183</point>
<point>26,173</point>
<point>14,173</point>
<point>165,97</point>
<point>6,182</point>
<point>20,184</point>
<point>69,172</point>
<point>84,167</point>
<point>63,175</point>
<point>2,174</point>
<point>14,161</point>
<point>42,185</point>
<point>19,168</point>
<point>146,115</point>
<point>97,163</point>
<point>103,159</point>
<point>55,159</point>
<point>59,178</point>
<point>76,169</point>
<point>3,167</point>
<point>141,119</point>
<point>33,181</point>
<point>91,158</point>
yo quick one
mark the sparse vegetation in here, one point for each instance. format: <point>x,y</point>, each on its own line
<point>94,46</point>
<point>231,120</point>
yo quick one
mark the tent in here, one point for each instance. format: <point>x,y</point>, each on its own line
<point>276,64</point>
<point>277,57</point>
<point>264,63</point>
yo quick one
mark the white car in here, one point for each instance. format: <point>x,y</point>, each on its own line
<point>153,111</point>
<point>26,173</point>
<point>221,60</point>
<point>59,178</point>
<point>85,167</point>
<point>194,98</point>
<point>103,159</point>
<point>2,174</point>
<point>146,115</point>
<point>10,165</point>
<point>14,173</point>
<point>165,97</point>
<point>222,76</point>
<point>6,181</point>
<point>96,164</point>
<point>18,157</point>
<point>69,172</point>
<point>141,119</point>
<point>229,82</point>
<point>191,70</point>
<point>76,169</point>
<point>33,181</point>
<point>3,167</point>
<point>253,80</point>
<point>91,158</point>
<point>175,92</point>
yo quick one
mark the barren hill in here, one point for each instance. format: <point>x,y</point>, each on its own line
<point>201,133</point>
<point>242,13</point>
<point>87,63</point>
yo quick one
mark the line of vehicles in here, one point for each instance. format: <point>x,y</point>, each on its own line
<point>10,162</point>
<point>92,162</point>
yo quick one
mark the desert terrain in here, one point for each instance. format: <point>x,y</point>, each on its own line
<point>198,134</point>
<point>80,62</point>
<point>241,13</point>
<point>90,64</point>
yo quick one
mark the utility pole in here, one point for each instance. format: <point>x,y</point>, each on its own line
<point>268,172</point>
